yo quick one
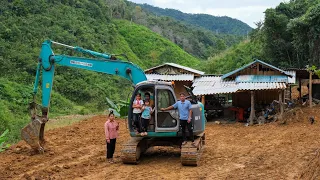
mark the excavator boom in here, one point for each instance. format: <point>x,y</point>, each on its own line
<point>33,133</point>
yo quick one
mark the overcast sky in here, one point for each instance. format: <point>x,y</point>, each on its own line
<point>248,11</point>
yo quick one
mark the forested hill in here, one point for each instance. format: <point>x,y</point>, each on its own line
<point>215,24</point>
<point>25,24</point>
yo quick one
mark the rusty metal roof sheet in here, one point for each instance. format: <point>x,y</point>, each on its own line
<point>178,77</point>
<point>177,66</point>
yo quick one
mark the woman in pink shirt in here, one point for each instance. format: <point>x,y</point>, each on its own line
<point>111,128</point>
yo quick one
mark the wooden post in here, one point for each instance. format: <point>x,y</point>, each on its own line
<point>281,104</point>
<point>252,112</point>
<point>203,100</point>
<point>290,97</point>
<point>310,89</point>
<point>300,90</point>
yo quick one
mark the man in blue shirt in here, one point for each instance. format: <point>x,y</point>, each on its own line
<point>185,113</point>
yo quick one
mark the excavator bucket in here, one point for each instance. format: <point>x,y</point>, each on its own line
<point>33,134</point>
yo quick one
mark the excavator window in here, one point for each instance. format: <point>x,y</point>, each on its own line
<point>165,99</point>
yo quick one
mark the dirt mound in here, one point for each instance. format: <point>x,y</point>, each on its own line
<point>301,114</point>
<point>234,151</point>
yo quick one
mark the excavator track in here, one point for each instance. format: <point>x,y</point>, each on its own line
<point>131,151</point>
<point>190,154</point>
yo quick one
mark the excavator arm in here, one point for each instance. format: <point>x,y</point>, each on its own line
<point>33,133</point>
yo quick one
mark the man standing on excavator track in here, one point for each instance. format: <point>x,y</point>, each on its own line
<point>185,114</point>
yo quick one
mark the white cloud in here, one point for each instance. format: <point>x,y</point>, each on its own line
<point>248,11</point>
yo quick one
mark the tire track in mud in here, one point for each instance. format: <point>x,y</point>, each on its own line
<point>234,151</point>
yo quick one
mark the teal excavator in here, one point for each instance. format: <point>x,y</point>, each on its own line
<point>164,128</point>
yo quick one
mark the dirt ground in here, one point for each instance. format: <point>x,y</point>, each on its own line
<point>232,151</point>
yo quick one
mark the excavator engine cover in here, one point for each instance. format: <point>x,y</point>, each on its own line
<point>33,134</point>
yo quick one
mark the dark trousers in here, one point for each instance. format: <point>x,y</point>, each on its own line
<point>136,121</point>
<point>145,124</point>
<point>110,148</point>
<point>184,124</point>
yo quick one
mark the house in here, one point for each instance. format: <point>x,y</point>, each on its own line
<point>179,75</point>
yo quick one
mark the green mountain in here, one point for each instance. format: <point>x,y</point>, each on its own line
<point>223,24</point>
<point>25,24</point>
<point>199,42</point>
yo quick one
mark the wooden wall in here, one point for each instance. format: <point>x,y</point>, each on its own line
<point>243,99</point>
<point>257,69</point>
<point>178,87</point>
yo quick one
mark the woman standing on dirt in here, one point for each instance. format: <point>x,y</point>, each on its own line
<point>111,128</point>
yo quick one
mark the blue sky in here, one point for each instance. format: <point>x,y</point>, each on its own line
<point>248,11</point>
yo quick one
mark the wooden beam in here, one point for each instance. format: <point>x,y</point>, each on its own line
<point>252,112</point>
<point>281,104</point>
<point>290,97</point>
<point>310,89</point>
<point>203,99</point>
<point>300,91</point>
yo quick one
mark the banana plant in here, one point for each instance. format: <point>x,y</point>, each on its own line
<point>313,69</point>
<point>120,108</point>
<point>3,139</point>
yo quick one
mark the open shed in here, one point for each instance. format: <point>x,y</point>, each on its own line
<point>303,77</point>
<point>253,85</point>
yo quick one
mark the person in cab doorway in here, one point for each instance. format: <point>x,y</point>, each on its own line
<point>145,117</point>
<point>111,128</point>
<point>148,98</point>
<point>185,114</point>
<point>137,106</point>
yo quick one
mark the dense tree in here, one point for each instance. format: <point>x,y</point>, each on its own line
<point>291,33</point>
<point>289,37</point>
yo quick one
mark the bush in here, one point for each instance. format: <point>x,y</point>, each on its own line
<point>3,139</point>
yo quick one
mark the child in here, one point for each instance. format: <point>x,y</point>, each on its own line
<point>145,118</point>
<point>137,105</point>
<point>111,128</point>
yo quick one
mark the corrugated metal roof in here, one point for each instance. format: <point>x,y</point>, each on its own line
<point>261,86</point>
<point>177,66</point>
<point>178,77</point>
<point>215,85</point>
<point>256,61</point>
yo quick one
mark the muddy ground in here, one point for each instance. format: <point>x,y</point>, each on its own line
<point>232,151</point>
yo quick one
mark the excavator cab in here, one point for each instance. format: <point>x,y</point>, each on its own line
<point>161,96</point>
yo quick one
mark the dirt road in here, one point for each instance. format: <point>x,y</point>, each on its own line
<point>232,151</point>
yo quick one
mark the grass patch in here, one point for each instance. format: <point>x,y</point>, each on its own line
<point>65,121</point>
